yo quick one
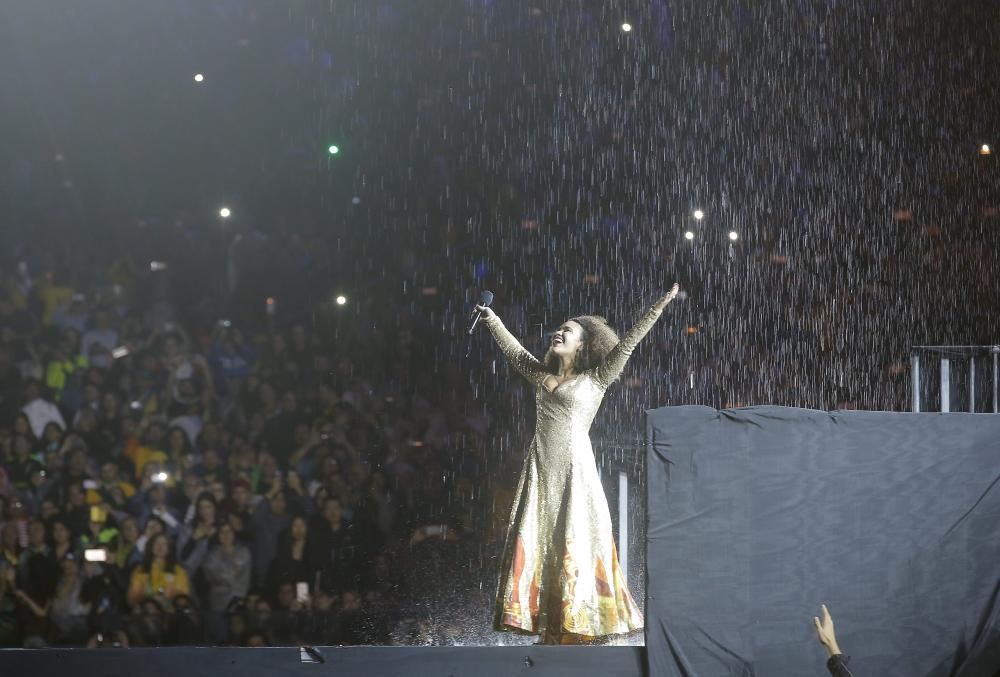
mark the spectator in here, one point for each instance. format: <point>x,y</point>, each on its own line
<point>336,549</point>
<point>63,543</point>
<point>294,561</point>
<point>227,571</point>
<point>836,661</point>
<point>98,341</point>
<point>64,373</point>
<point>157,505</point>
<point>103,590</point>
<point>38,410</point>
<point>195,537</point>
<point>270,519</point>
<point>130,551</point>
<point>67,611</point>
<point>159,577</point>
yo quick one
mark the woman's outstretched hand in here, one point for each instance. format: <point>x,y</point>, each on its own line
<point>486,311</point>
<point>668,297</point>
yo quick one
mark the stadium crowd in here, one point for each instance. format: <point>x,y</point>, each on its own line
<point>169,480</point>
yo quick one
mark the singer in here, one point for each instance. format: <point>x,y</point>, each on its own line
<point>559,575</point>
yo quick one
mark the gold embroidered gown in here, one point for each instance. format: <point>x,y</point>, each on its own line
<point>559,573</point>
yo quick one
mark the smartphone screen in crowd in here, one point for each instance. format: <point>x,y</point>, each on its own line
<point>302,592</point>
<point>95,555</point>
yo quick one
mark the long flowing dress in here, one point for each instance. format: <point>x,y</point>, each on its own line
<point>559,573</point>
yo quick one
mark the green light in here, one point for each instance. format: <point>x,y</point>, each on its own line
<point>333,150</point>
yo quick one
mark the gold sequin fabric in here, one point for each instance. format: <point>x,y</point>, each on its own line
<point>559,572</point>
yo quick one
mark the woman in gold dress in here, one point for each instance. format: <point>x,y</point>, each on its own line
<point>559,576</point>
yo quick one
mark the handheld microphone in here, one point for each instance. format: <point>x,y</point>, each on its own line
<point>485,299</point>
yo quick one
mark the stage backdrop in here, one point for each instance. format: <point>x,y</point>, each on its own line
<point>758,515</point>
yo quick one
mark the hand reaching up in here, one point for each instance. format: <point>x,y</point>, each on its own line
<point>825,633</point>
<point>668,297</point>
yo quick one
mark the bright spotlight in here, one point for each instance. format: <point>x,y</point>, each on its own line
<point>333,150</point>
<point>198,77</point>
<point>626,27</point>
<point>689,235</point>
<point>341,300</point>
<point>224,212</point>
<point>698,214</point>
<point>733,235</point>
<point>985,149</point>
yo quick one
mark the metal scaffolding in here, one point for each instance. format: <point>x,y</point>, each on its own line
<point>946,355</point>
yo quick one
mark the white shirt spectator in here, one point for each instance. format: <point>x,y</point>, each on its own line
<point>40,413</point>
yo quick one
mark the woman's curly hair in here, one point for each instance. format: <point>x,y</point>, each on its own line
<point>598,340</point>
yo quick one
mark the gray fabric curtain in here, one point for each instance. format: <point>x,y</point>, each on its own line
<point>758,515</point>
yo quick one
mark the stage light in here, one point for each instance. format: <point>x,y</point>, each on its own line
<point>733,235</point>
<point>341,300</point>
<point>626,27</point>
<point>698,214</point>
<point>985,150</point>
<point>333,150</point>
<point>198,77</point>
<point>689,235</point>
<point>224,212</point>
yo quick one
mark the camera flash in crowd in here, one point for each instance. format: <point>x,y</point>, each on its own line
<point>157,266</point>
<point>199,77</point>
<point>333,150</point>
<point>733,235</point>
<point>698,214</point>
<point>224,212</point>
<point>119,352</point>
<point>341,300</point>
<point>626,27</point>
<point>984,149</point>
<point>689,235</point>
<point>161,477</point>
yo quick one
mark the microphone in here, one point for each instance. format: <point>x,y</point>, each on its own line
<point>485,299</point>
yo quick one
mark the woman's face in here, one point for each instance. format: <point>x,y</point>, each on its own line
<point>161,546</point>
<point>177,439</point>
<point>298,529</point>
<point>226,535</point>
<point>21,426</point>
<point>53,433</point>
<point>153,528</point>
<point>130,530</point>
<point>60,534</point>
<point>206,511</point>
<point>110,403</point>
<point>568,339</point>
<point>69,569</point>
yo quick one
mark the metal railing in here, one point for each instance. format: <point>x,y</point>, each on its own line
<point>949,357</point>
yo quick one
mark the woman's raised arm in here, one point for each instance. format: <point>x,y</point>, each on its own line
<point>527,364</point>
<point>613,365</point>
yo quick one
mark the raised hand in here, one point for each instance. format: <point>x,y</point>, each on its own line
<point>825,633</point>
<point>486,311</point>
<point>668,297</point>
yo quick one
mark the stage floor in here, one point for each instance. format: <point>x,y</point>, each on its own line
<point>354,661</point>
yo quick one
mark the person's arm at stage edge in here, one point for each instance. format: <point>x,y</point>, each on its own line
<point>836,661</point>
<point>526,364</point>
<point>613,365</point>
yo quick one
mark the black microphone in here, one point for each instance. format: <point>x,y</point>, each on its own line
<point>485,299</point>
